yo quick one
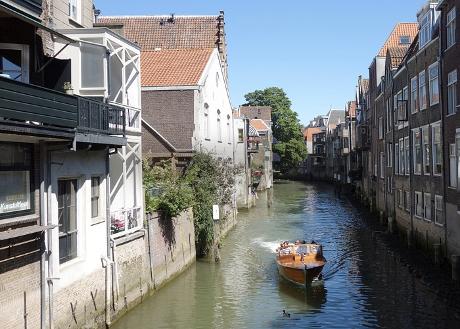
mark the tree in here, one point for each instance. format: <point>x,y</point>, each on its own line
<point>287,130</point>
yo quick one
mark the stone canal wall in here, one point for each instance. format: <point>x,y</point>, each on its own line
<point>143,265</point>
<point>142,262</point>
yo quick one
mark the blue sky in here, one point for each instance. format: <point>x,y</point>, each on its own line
<point>314,50</point>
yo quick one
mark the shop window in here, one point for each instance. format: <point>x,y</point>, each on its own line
<point>16,197</point>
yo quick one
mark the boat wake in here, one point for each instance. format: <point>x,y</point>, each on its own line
<point>270,245</point>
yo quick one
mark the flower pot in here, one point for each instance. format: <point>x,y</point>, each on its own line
<point>69,91</point>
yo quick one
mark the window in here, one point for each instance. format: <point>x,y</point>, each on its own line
<point>74,10</point>
<point>417,151</point>
<point>433,73</point>
<point>15,179</point>
<point>206,125</point>
<point>67,216</point>
<point>427,206</point>
<point>400,199</point>
<point>395,106</point>
<point>219,127</point>
<point>436,148</point>
<point>452,92</point>
<point>425,30</point>
<point>95,190</point>
<point>14,61</point>
<point>413,95</point>
<point>458,162</point>
<point>92,64</point>
<point>452,166</point>
<point>438,210</point>
<point>397,165</point>
<point>407,155</point>
<point>450,27</point>
<point>422,90</point>
<point>426,150</point>
<point>407,200</point>
<point>382,165</point>
<point>404,40</point>
<point>240,135</point>
<point>380,128</point>
<point>418,204</point>
<point>390,155</point>
<point>388,111</point>
<point>401,157</point>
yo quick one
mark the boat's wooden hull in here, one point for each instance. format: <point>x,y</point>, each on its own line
<point>300,276</point>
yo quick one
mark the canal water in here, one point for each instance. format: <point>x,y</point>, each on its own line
<point>368,281</point>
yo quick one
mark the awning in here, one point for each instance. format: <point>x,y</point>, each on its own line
<point>18,232</point>
<point>33,21</point>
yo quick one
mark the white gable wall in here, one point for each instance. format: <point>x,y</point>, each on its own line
<point>214,96</point>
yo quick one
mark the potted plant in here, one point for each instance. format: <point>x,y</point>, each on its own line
<point>68,88</point>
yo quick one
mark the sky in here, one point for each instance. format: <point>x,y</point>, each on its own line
<point>314,50</point>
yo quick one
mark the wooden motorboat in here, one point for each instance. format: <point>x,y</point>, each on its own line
<point>300,263</point>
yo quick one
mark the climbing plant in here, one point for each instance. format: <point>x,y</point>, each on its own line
<point>166,190</point>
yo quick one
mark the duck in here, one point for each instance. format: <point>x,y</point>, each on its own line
<point>286,315</point>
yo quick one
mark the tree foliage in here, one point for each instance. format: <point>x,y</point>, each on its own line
<point>289,142</point>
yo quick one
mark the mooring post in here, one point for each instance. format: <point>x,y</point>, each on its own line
<point>437,253</point>
<point>455,267</point>
<point>390,225</point>
<point>409,238</point>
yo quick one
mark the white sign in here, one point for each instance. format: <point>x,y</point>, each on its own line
<point>215,212</point>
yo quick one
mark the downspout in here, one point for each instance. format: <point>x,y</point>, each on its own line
<point>108,257</point>
<point>43,172</point>
<point>444,141</point>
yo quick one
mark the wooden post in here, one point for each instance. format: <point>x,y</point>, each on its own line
<point>455,267</point>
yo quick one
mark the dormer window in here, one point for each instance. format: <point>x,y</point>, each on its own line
<point>404,40</point>
<point>425,30</point>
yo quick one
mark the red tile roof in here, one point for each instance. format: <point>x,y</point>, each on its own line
<point>396,55</point>
<point>401,29</point>
<point>152,32</point>
<point>259,124</point>
<point>176,67</point>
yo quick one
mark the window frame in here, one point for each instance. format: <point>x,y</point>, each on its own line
<point>426,150</point>
<point>426,206</point>
<point>418,196</point>
<point>69,257</point>
<point>453,166</point>
<point>452,92</point>
<point>423,104</point>
<point>436,126</point>
<point>433,82</point>
<point>77,4</point>
<point>440,208</point>
<point>98,177</point>
<point>30,169</point>
<point>414,95</point>
<point>451,28</point>
<point>417,165</point>
<point>25,60</point>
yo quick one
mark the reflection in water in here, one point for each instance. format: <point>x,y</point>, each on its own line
<point>367,283</point>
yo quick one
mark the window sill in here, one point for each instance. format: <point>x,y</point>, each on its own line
<point>70,263</point>
<point>418,217</point>
<point>75,22</point>
<point>451,114</point>
<point>427,220</point>
<point>96,221</point>
<point>130,237</point>
<point>450,47</point>
<point>439,225</point>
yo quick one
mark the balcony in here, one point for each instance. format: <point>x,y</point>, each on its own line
<point>30,109</point>
<point>33,5</point>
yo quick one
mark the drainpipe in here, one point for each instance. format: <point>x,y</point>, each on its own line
<point>43,172</point>
<point>106,260</point>
<point>444,141</point>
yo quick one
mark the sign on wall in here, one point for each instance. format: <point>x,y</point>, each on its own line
<point>215,212</point>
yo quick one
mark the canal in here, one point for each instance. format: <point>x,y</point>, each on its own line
<point>368,280</point>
